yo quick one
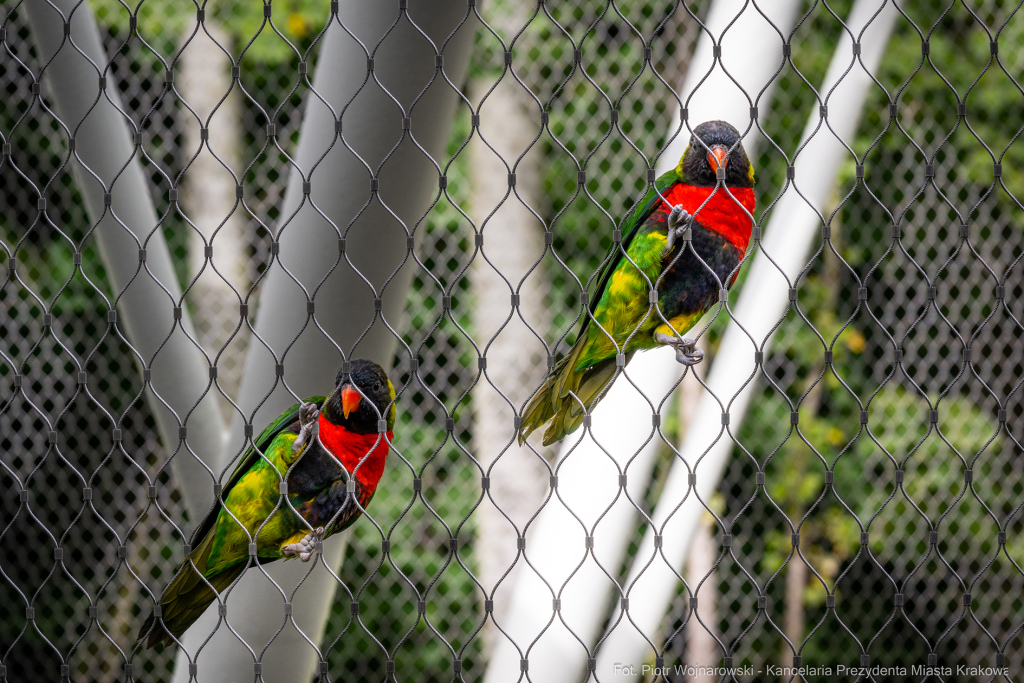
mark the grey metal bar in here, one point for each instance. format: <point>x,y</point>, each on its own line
<point>790,234</point>
<point>375,245</point>
<point>107,161</point>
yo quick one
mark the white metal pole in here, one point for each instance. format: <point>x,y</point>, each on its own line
<point>376,244</point>
<point>514,240</point>
<point>104,147</point>
<point>791,232</point>
<point>203,78</point>
<point>622,427</point>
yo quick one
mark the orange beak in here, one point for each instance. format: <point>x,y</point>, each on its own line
<point>718,156</point>
<point>350,400</point>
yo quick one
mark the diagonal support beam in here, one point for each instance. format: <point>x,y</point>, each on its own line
<point>375,226</point>
<point>622,438</point>
<point>106,160</point>
<point>791,232</point>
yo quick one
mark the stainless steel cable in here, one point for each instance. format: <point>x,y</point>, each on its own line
<point>869,511</point>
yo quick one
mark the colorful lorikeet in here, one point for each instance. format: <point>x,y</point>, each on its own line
<point>691,218</point>
<point>316,439</point>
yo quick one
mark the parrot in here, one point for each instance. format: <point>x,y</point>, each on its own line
<point>317,439</point>
<point>689,205</point>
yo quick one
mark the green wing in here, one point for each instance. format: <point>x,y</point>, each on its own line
<point>630,227</point>
<point>249,458</point>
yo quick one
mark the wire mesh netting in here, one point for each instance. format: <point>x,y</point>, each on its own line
<point>867,509</point>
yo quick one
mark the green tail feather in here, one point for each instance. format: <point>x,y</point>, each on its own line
<point>553,400</point>
<point>187,596</point>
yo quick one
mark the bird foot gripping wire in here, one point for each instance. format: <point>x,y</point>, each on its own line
<point>310,544</point>
<point>687,352</point>
<point>679,220</point>
<point>308,415</point>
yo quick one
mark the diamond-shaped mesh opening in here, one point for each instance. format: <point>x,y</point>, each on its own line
<point>584,107</point>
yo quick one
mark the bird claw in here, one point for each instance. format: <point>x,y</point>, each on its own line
<point>678,216</point>
<point>308,414</point>
<point>691,357</point>
<point>679,220</point>
<point>687,352</point>
<point>307,547</point>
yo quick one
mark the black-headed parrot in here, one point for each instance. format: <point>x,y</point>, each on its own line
<point>690,207</point>
<point>323,442</point>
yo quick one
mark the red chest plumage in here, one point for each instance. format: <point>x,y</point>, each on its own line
<point>723,213</point>
<point>350,449</point>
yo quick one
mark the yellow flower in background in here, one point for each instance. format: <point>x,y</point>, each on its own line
<point>297,25</point>
<point>855,341</point>
<point>834,436</point>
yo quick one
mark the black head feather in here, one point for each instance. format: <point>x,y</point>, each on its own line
<point>373,383</point>
<point>708,136</point>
